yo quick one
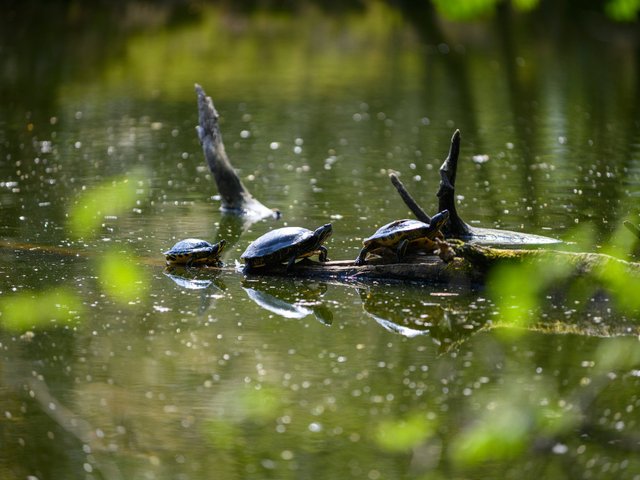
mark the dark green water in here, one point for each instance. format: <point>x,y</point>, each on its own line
<point>266,378</point>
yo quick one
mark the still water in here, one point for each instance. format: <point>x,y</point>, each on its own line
<point>121,369</point>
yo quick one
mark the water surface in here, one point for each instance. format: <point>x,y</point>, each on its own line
<point>133,373</point>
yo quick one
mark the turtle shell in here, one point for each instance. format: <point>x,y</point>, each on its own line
<point>193,251</point>
<point>407,229</point>
<point>399,230</point>
<point>277,245</point>
<point>188,246</point>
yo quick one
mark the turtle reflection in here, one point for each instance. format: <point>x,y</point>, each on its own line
<point>189,279</point>
<point>290,298</point>
<point>412,313</point>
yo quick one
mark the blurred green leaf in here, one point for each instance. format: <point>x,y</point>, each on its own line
<point>622,284</point>
<point>554,420</point>
<point>26,310</point>
<point>525,5</point>
<point>110,199</point>
<point>263,404</point>
<point>514,289</point>
<point>221,434</point>
<point>623,10</point>
<point>403,435</point>
<point>618,354</point>
<point>119,278</point>
<point>502,434</point>
<point>464,9</point>
<point>517,288</point>
<point>621,243</point>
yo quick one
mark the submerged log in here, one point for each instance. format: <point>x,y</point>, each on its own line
<point>235,197</point>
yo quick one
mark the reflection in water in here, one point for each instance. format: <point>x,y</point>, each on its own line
<point>205,280</point>
<point>194,279</point>
<point>290,298</point>
<point>556,118</point>
<point>232,227</point>
<point>412,313</point>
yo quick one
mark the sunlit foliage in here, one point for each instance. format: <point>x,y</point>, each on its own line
<point>500,435</point>
<point>405,434</point>
<point>260,405</point>
<point>472,9</point>
<point>510,425</point>
<point>520,289</point>
<point>26,310</point>
<point>623,10</point>
<point>621,353</point>
<point>108,200</point>
<point>517,288</point>
<point>119,278</point>
<point>464,9</point>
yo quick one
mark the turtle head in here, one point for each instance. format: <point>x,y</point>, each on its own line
<point>323,233</point>
<point>221,244</point>
<point>439,219</point>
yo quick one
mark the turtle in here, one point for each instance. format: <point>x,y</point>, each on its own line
<point>286,244</point>
<point>399,234</point>
<point>193,252</point>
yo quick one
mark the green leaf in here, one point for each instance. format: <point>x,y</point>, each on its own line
<point>403,435</point>
<point>464,9</point>
<point>222,435</point>
<point>261,405</point>
<point>121,279</point>
<point>525,5</point>
<point>110,199</point>
<point>618,354</point>
<point>623,10</point>
<point>498,436</point>
<point>26,310</point>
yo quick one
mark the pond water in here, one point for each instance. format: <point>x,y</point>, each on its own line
<point>112,367</point>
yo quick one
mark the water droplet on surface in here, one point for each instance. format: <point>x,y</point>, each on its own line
<point>315,427</point>
<point>560,449</point>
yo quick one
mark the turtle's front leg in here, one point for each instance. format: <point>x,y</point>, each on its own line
<point>363,253</point>
<point>323,254</point>
<point>401,251</point>
<point>291,263</point>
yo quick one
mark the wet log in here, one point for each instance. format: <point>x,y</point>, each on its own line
<point>470,266</point>
<point>417,269</point>
<point>235,197</point>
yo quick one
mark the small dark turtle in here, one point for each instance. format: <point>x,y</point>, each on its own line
<point>194,252</point>
<point>286,245</point>
<point>395,237</point>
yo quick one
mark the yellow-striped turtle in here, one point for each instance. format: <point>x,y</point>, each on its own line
<point>286,245</point>
<point>397,236</point>
<point>194,252</point>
